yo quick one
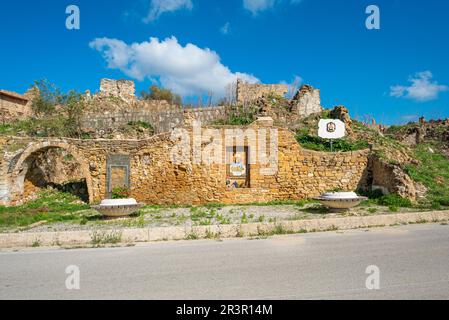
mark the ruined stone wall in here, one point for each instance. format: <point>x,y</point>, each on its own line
<point>301,174</point>
<point>124,89</point>
<point>156,179</point>
<point>14,108</point>
<point>160,114</point>
<point>247,92</point>
<point>307,101</point>
<point>391,178</point>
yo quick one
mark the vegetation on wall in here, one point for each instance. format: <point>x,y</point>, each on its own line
<point>57,114</point>
<point>238,116</point>
<point>139,126</point>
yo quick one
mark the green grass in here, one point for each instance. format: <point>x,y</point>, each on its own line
<point>394,200</point>
<point>432,172</point>
<point>298,203</point>
<point>50,206</point>
<point>376,197</point>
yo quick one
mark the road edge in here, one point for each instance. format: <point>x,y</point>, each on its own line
<point>94,238</point>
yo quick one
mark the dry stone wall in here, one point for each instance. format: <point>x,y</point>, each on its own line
<point>160,114</point>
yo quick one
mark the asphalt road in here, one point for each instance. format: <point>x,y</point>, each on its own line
<point>413,262</point>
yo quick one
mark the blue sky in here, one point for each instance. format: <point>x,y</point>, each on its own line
<point>395,74</point>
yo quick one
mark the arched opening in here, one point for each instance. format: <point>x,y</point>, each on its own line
<point>55,166</point>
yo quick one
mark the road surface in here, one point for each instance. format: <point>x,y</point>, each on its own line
<point>413,263</point>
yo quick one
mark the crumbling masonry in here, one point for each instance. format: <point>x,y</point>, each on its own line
<point>146,166</point>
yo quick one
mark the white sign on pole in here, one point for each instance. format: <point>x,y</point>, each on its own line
<point>331,129</point>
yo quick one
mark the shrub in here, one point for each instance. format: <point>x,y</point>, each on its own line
<point>120,193</point>
<point>320,144</point>
<point>394,200</point>
<point>393,209</point>
<point>136,125</point>
<point>56,114</point>
<point>371,194</point>
<point>141,124</point>
<point>156,93</point>
<point>239,116</point>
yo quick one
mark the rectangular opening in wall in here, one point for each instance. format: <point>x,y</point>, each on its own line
<point>119,177</point>
<point>237,167</point>
<point>118,173</point>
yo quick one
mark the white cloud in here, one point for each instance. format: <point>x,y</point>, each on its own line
<point>225,28</point>
<point>293,86</point>
<point>158,7</point>
<point>256,6</point>
<point>187,70</point>
<point>422,88</point>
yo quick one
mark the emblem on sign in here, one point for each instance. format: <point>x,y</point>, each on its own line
<point>331,127</point>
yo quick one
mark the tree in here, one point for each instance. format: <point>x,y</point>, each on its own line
<point>58,114</point>
<point>48,97</point>
<point>156,93</point>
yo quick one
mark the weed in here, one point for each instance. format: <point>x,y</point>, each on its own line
<point>105,237</point>
<point>138,222</point>
<point>192,236</point>
<point>36,243</point>
<point>393,208</point>
<point>210,234</point>
<point>372,210</point>
<point>239,232</point>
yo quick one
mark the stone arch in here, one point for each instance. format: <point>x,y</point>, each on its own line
<point>21,164</point>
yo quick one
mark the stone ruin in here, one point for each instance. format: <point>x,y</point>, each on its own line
<point>15,106</point>
<point>248,92</point>
<point>105,115</point>
<point>307,101</point>
<point>124,89</point>
<point>143,164</point>
<point>164,116</point>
